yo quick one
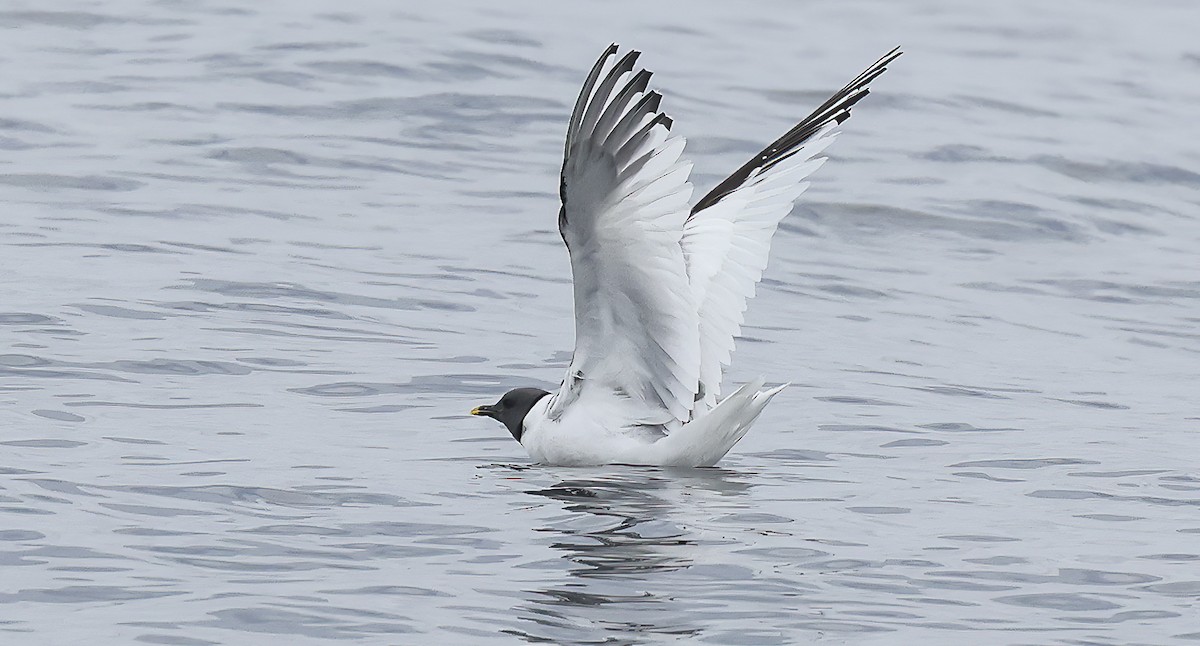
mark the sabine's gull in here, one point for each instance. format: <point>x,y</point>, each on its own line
<point>660,285</point>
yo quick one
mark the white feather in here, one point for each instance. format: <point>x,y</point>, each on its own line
<point>727,246</point>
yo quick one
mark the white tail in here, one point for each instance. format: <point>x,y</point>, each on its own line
<point>706,439</point>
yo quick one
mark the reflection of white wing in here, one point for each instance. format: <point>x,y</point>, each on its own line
<point>727,238</point>
<point>625,200</point>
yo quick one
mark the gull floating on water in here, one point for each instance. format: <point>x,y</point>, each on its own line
<point>660,286</point>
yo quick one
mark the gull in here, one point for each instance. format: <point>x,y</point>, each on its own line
<point>660,286</point>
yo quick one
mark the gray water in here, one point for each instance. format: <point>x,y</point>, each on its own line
<point>257,260</point>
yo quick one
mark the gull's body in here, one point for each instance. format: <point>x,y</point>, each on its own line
<point>660,286</point>
<point>585,434</point>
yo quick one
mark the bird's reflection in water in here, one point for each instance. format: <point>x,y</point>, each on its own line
<point>630,535</point>
<point>638,520</point>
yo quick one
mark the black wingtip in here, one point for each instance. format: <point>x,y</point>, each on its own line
<point>585,93</point>
<point>836,109</point>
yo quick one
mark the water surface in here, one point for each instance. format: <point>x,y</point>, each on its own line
<point>258,260</point>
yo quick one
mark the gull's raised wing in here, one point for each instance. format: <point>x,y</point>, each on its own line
<point>727,238</point>
<point>625,196</point>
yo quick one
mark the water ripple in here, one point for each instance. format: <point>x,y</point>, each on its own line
<point>260,259</point>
